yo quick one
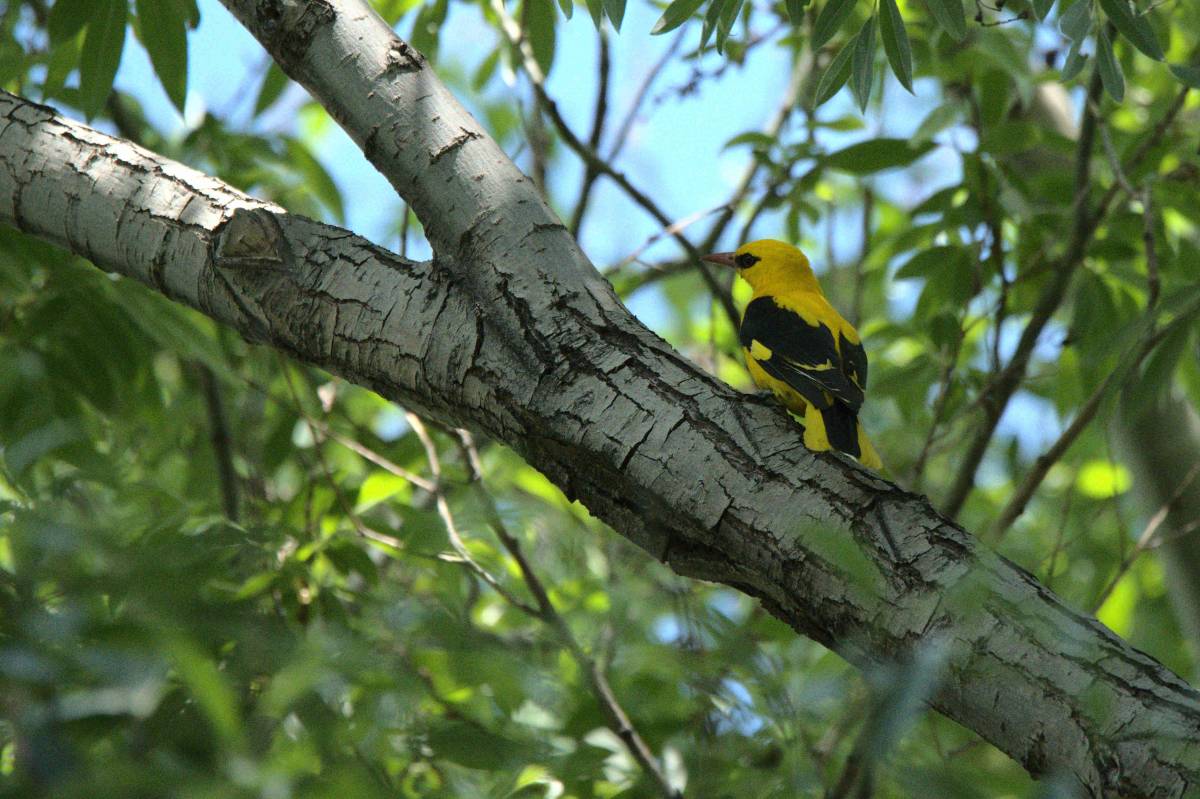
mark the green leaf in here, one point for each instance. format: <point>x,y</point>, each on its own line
<point>208,687</point>
<point>68,17</point>
<point>679,12</point>
<point>568,8</point>
<point>712,17</point>
<point>753,137</point>
<point>102,47</point>
<point>1010,136</point>
<point>615,10</point>
<point>1076,22</point>
<point>1134,27</point>
<point>1042,7</point>
<point>832,15</point>
<point>795,10</point>
<point>163,32</point>
<point>895,42</point>
<point>540,21</point>
<point>1159,371</point>
<point>1074,63</point>
<point>485,70</point>
<point>472,746</point>
<point>836,73</point>
<point>317,180</point>
<point>875,155</point>
<point>937,120</point>
<point>930,261</point>
<point>950,15</point>
<point>863,64</point>
<point>1189,76</point>
<point>729,12</point>
<point>427,27</point>
<point>190,12</point>
<point>272,87</point>
<point>595,10</point>
<point>1110,70</point>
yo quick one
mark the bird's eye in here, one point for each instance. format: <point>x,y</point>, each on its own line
<point>746,260</point>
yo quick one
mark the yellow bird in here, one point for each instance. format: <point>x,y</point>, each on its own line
<point>801,349</point>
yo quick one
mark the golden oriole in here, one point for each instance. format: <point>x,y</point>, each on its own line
<point>801,349</point>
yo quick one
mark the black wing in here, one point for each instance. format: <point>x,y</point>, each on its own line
<point>802,355</point>
<point>854,361</point>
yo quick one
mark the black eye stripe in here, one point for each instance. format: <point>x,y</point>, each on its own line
<point>746,260</point>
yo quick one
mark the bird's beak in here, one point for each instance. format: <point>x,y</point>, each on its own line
<point>721,258</point>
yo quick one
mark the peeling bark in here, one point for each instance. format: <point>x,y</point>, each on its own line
<point>512,333</point>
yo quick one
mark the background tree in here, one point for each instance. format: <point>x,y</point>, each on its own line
<point>315,591</point>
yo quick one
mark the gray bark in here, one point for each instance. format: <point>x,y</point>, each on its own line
<point>510,332</point>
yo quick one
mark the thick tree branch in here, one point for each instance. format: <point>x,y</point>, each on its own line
<point>510,332</point>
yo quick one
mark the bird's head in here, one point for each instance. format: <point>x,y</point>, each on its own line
<point>768,264</point>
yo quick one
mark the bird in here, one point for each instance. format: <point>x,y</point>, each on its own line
<point>799,348</point>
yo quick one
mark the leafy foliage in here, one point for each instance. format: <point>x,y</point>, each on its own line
<point>321,632</point>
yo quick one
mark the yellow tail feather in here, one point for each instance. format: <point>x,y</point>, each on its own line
<point>816,438</point>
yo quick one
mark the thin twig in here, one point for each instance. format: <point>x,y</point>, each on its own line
<point>787,106</point>
<point>1087,412</point>
<point>359,526</point>
<point>599,117</point>
<point>1001,389</point>
<point>995,396</point>
<point>643,91</point>
<point>452,532</point>
<point>1146,539</point>
<point>673,229</point>
<point>945,383</point>
<point>859,287</point>
<point>222,443</point>
<point>618,720</point>
<point>1148,242</point>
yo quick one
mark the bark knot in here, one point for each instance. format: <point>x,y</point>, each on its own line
<point>403,57</point>
<point>250,238</point>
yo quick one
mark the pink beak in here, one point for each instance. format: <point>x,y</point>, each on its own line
<point>721,258</point>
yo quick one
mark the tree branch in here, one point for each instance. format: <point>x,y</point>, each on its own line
<point>511,333</point>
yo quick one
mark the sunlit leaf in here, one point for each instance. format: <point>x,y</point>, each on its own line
<point>1102,479</point>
